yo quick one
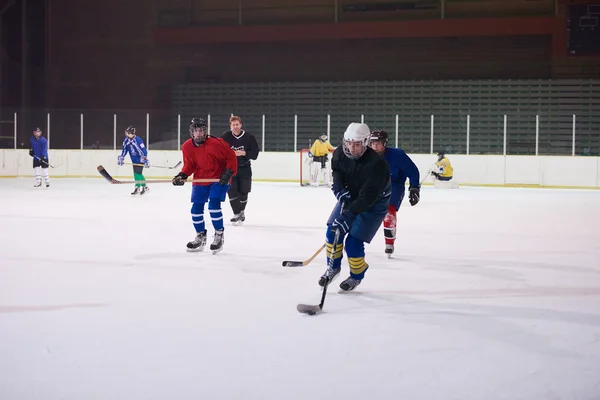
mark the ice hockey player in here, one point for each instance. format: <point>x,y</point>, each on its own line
<point>206,157</point>
<point>39,152</point>
<point>443,170</point>
<point>134,145</point>
<point>319,152</point>
<point>401,168</point>
<point>361,184</point>
<point>246,148</point>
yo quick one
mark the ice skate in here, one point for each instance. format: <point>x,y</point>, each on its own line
<point>237,218</point>
<point>145,189</point>
<point>217,244</point>
<point>38,184</point>
<point>136,191</point>
<point>329,275</point>
<point>389,250</point>
<point>198,243</point>
<point>47,184</point>
<point>349,284</point>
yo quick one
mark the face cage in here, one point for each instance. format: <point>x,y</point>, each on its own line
<point>365,144</point>
<point>202,133</point>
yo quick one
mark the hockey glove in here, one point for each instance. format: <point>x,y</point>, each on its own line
<point>414,195</point>
<point>435,174</point>
<point>30,152</point>
<point>310,155</point>
<point>120,160</point>
<point>343,222</point>
<point>146,162</point>
<point>179,179</point>
<point>225,177</point>
<point>341,193</point>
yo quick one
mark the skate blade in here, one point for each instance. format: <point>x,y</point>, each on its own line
<point>217,251</point>
<point>198,250</point>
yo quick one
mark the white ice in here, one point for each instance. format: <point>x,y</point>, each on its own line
<point>494,293</point>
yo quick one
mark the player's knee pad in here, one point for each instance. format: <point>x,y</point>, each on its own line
<point>243,197</point>
<point>197,208</point>
<point>214,204</point>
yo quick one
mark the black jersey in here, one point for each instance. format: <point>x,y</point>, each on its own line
<point>367,178</point>
<point>245,141</point>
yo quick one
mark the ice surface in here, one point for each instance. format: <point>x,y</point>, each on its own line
<point>492,294</point>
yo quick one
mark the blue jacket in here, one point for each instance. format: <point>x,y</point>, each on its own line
<point>401,168</point>
<point>39,146</point>
<point>136,149</point>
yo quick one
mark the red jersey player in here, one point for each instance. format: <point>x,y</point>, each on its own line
<point>207,158</point>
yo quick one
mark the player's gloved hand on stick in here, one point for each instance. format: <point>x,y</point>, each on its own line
<point>31,152</point>
<point>435,174</point>
<point>341,193</point>
<point>146,162</point>
<point>343,222</point>
<point>414,195</point>
<point>120,160</point>
<point>179,179</point>
<point>225,177</point>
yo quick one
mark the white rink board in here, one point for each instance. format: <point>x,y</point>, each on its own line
<point>546,171</point>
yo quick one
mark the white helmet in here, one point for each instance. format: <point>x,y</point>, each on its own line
<point>356,139</point>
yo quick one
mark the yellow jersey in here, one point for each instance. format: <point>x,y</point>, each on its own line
<point>444,168</point>
<point>319,148</point>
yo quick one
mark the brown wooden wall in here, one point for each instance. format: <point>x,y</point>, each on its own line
<point>106,54</point>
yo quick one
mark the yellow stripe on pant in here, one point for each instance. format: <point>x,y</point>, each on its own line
<point>358,266</point>
<point>338,250</point>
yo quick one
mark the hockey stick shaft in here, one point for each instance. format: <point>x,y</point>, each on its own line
<point>37,158</point>
<point>428,173</point>
<point>110,179</point>
<point>305,262</point>
<point>155,166</point>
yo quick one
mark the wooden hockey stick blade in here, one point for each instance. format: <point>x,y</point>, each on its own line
<point>302,263</point>
<point>110,179</point>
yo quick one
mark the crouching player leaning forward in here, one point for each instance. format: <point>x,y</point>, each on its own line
<point>361,183</point>
<point>212,159</point>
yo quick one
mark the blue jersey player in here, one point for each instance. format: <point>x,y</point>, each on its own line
<point>401,168</point>
<point>39,152</point>
<point>134,145</point>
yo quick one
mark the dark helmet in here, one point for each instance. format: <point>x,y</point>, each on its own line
<point>198,123</point>
<point>130,130</point>
<point>441,155</point>
<point>379,136</point>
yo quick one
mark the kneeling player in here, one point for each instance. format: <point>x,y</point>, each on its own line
<point>206,158</point>
<point>443,169</point>
<point>401,167</point>
<point>361,183</point>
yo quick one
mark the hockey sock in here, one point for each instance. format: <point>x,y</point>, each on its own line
<point>236,205</point>
<point>339,249</point>
<point>36,170</point>
<point>139,177</point>
<point>355,250</point>
<point>46,175</point>
<point>243,201</point>
<point>389,225</point>
<point>198,217</point>
<point>216,215</point>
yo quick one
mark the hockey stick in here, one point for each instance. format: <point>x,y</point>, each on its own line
<point>302,263</point>
<point>428,173</point>
<point>37,158</point>
<point>155,166</point>
<point>310,309</point>
<point>112,180</point>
